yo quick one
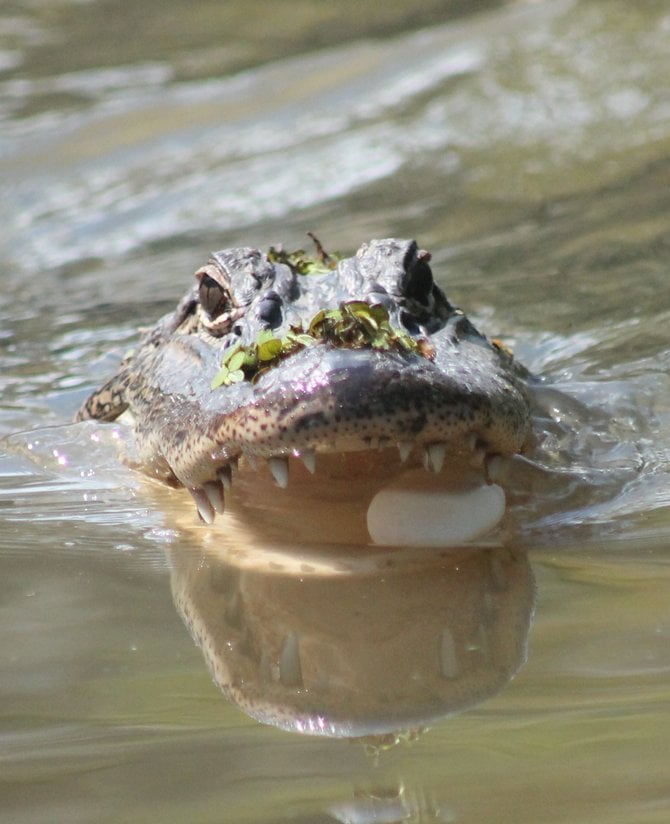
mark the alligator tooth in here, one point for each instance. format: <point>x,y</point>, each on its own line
<point>214,492</point>
<point>404,448</point>
<point>203,505</point>
<point>499,469</point>
<point>290,669</point>
<point>225,474</point>
<point>478,449</point>
<point>433,456</point>
<point>279,468</point>
<point>309,459</point>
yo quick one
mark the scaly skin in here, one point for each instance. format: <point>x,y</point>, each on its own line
<point>459,391</point>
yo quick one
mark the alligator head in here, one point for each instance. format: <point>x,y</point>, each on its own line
<point>350,383</point>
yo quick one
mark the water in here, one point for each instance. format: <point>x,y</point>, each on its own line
<point>526,145</point>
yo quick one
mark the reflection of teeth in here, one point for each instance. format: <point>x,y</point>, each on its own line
<point>214,492</point>
<point>203,505</point>
<point>404,448</point>
<point>290,670</point>
<point>309,459</point>
<point>225,474</point>
<point>279,468</point>
<point>483,642</point>
<point>433,456</point>
<point>448,660</point>
<point>498,574</point>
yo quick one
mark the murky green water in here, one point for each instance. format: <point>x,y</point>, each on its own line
<point>527,145</point>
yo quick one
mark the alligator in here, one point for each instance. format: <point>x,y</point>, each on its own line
<point>353,376</point>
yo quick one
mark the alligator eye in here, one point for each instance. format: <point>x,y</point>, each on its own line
<point>214,299</point>
<point>418,281</point>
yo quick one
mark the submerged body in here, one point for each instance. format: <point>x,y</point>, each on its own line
<point>337,367</point>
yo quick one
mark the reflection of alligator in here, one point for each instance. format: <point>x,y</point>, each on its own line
<point>356,644</point>
<point>363,367</point>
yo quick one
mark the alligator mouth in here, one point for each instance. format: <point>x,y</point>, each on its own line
<point>344,446</point>
<point>409,496</point>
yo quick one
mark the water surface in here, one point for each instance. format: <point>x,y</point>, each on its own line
<point>527,146</point>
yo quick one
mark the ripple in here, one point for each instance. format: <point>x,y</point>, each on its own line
<point>152,159</point>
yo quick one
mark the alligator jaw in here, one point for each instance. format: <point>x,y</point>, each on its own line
<point>321,439</point>
<point>435,495</point>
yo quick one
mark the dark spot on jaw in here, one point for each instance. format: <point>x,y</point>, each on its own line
<point>417,424</point>
<point>312,421</point>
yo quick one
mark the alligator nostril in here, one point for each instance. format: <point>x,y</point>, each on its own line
<point>377,295</point>
<point>270,309</point>
<point>418,280</point>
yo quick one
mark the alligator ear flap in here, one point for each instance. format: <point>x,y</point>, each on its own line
<point>213,291</point>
